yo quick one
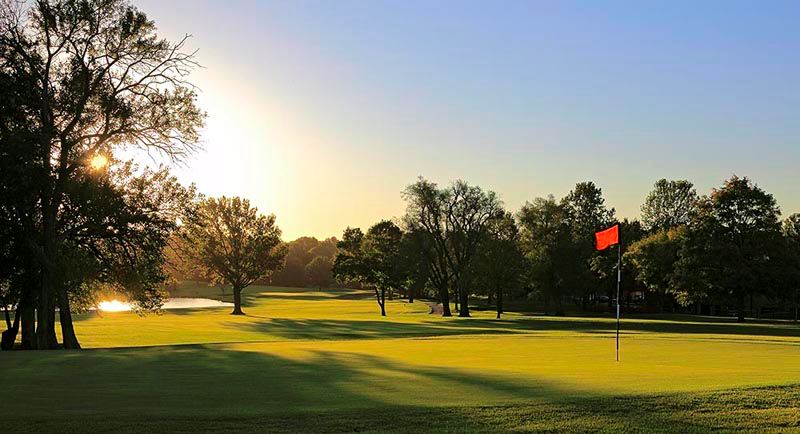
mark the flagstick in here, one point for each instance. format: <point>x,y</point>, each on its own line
<point>619,278</point>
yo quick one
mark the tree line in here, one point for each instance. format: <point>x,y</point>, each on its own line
<point>457,241</point>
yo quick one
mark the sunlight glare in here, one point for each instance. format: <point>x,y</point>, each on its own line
<point>98,162</point>
<point>113,306</point>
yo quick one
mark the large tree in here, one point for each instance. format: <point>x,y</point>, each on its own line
<point>235,244</point>
<point>732,248</point>
<point>546,240</point>
<point>587,213</point>
<point>89,77</point>
<point>373,259</point>
<point>453,221</point>
<point>499,267</point>
<point>669,204</point>
<point>653,258</point>
<point>791,233</point>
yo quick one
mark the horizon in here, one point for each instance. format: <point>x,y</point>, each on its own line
<point>323,113</point>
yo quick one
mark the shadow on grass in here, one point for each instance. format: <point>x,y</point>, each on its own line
<point>210,389</point>
<point>322,329</point>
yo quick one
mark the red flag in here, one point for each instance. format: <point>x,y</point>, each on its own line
<point>607,237</point>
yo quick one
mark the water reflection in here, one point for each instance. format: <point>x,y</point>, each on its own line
<point>172,303</point>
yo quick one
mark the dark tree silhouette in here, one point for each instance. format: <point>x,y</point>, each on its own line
<point>91,77</point>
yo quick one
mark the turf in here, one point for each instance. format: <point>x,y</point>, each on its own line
<point>325,361</point>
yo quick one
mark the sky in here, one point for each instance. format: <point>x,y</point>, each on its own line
<point>322,112</point>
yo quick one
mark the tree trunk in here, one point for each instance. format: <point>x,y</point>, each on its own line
<point>411,291</point>
<point>464,296</point>
<point>499,302</point>
<point>380,298</point>
<point>46,313</point>
<point>65,316</point>
<point>490,298</point>
<point>28,312</point>
<point>740,308</point>
<point>444,294</point>
<point>9,336</point>
<point>559,311</point>
<point>237,301</point>
<point>50,333</point>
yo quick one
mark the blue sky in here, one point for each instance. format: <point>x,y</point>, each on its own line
<point>321,112</point>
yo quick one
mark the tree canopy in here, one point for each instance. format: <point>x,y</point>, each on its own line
<point>234,244</point>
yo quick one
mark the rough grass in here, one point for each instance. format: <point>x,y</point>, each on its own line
<point>311,361</point>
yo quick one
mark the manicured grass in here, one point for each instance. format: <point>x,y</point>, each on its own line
<point>305,360</point>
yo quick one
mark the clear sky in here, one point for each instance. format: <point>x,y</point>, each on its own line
<point>322,112</point>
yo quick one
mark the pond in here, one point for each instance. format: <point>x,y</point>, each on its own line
<point>172,303</point>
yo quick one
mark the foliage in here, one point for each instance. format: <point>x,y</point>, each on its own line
<point>670,204</point>
<point>373,259</point>
<point>499,267</point>
<point>653,259</point>
<point>453,221</point>
<point>733,245</point>
<point>82,79</point>
<point>546,239</point>
<point>319,272</point>
<point>234,244</point>
<point>300,253</point>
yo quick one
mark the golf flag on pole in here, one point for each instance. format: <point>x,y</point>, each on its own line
<point>604,239</point>
<point>607,237</point>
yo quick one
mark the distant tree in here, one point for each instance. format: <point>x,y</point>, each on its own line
<point>653,259</point>
<point>732,246</point>
<point>235,244</point>
<point>604,264</point>
<point>318,272</point>
<point>300,253</point>
<point>499,266</point>
<point>546,240</point>
<point>372,259</point>
<point>669,204</point>
<point>587,214</point>
<point>413,264</point>
<point>791,233</point>
<point>453,220</point>
<point>349,265</point>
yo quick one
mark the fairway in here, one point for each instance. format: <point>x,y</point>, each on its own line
<point>329,353</point>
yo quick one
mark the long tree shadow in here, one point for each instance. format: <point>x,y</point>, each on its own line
<point>308,329</point>
<point>205,389</point>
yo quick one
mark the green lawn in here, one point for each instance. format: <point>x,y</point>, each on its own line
<point>304,360</point>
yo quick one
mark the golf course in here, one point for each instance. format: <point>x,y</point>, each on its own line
<point>308,360</point>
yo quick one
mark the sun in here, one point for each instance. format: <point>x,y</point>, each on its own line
<point>113,306</point>
<point>98,162</point>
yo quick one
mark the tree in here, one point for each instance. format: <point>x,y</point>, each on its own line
<point>499,266</point>
<point>453,220</point>
<point>372,259</point>
<point>587,214</point>
<point>653,260</point>
<point>318,272</point>
<point>413,264</point>
<point>670,204</point>
<point>90,77</point>
<point>546,240</point>
<point>732,247</point>
<point>791,233</point>
<point>235,244</point>
<point>300,254</point>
